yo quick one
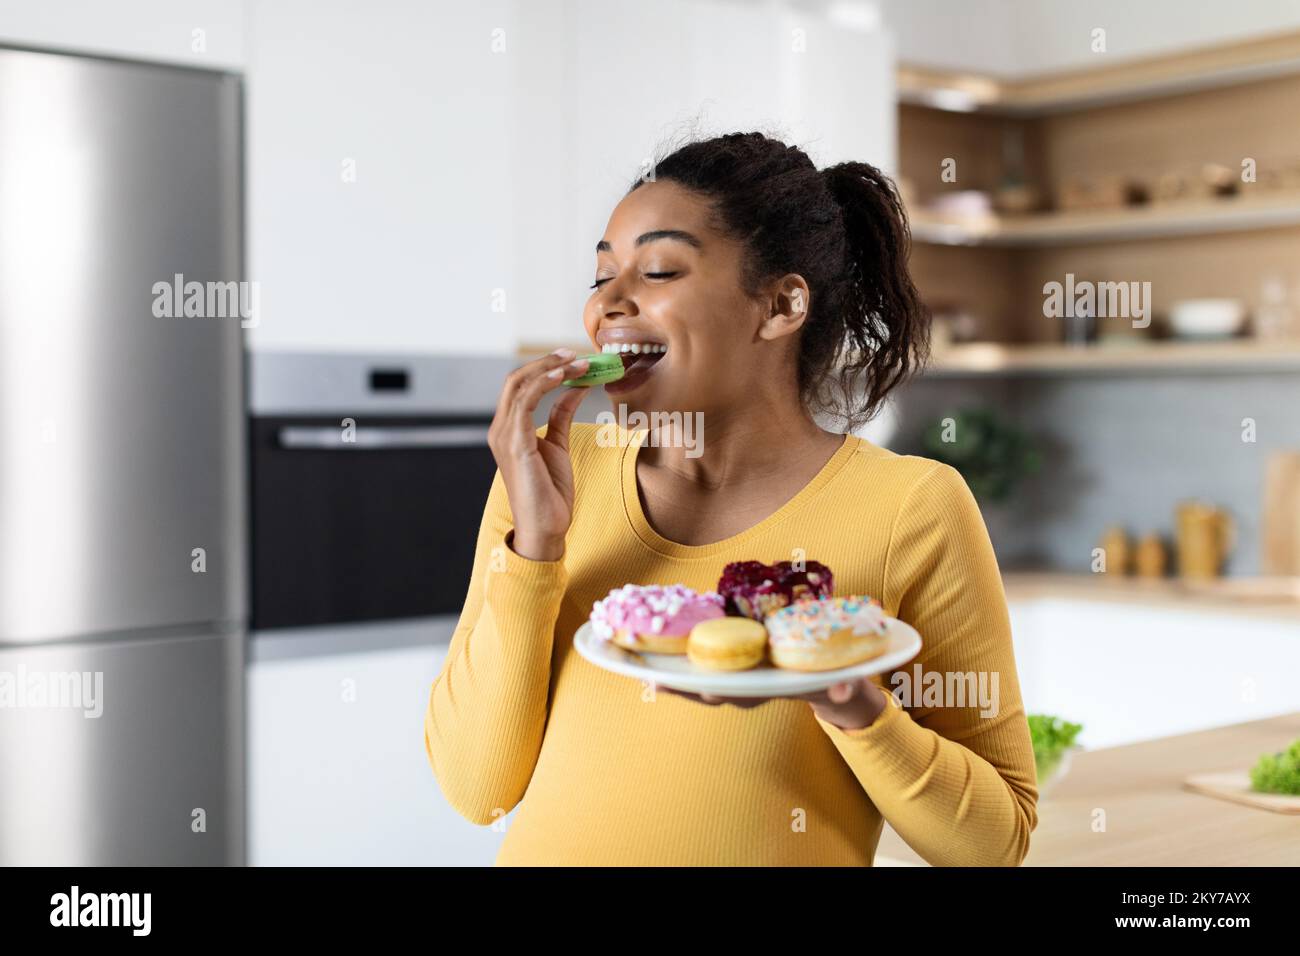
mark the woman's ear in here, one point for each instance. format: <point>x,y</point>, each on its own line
<point>790,302</point>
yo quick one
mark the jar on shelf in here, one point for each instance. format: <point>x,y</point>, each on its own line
<point>1151,557</point>
<point>1274,319</point>
<point>1118,553</point>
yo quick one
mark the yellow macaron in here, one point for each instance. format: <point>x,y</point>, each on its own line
<point>727,644</point>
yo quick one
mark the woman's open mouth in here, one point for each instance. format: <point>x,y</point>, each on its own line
<point>638,361</point>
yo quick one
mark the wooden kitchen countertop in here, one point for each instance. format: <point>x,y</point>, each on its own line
<point>1275,597</point>
<point>1150,819</point>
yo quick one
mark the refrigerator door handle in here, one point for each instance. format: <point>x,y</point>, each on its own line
<point>385,437</point>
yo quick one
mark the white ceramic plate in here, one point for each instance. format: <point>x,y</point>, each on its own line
<point>677,672</point>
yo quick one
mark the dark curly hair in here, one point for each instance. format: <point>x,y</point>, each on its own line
<point>844,230</point>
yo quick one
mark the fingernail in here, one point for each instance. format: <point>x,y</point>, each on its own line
<point>564,353</point>
<point>556,372</point>
<point>580,363</point>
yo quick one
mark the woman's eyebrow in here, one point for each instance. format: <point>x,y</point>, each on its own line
<point>678,234</point>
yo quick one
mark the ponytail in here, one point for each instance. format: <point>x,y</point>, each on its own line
<point>886,327</point>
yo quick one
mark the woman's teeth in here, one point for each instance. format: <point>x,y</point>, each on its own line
<point>636,348</point>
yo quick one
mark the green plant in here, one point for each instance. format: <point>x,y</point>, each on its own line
<point>1279,772</point>
<point>992,455</point>
<point>1052,737</point>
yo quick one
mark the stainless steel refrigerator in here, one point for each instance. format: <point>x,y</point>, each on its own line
<point>122,475</point>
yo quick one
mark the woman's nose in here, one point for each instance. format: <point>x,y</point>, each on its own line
<point>613,303</point>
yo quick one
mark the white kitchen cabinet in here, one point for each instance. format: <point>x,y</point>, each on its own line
<point>1130,672</point>
<point>337,773</point>
<point>379,194</point>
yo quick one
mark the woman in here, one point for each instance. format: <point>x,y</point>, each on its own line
<point>774,290</point>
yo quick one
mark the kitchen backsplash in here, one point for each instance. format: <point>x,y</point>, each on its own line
<point>1122,450</point>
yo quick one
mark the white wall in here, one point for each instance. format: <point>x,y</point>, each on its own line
<point>1056,36</point>
<point>609,83</point>
<point>1024,37</point>
<point>976,35</point>
<point>161,30</point>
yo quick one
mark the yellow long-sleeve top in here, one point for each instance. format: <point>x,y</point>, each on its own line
<point>607,772</point>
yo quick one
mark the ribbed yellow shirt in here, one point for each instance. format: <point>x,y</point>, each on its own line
<point>606,772</point>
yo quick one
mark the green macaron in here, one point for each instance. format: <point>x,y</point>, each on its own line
<point>602,367</point>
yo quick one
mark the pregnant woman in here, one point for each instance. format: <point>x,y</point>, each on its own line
<point>758,291</point>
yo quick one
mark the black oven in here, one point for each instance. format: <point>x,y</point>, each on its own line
<point>366,506</point>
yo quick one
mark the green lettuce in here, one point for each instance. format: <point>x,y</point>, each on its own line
<point>1052,737</point>
<point>1279,772</point>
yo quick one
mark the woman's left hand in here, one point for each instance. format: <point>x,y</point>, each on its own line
<point>850,705</point>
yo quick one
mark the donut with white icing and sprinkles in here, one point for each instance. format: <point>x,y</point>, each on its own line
<point>827,633</point>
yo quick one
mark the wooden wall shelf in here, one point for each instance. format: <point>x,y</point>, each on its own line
<point>1171,126</point>
<point>1168,357</point>
<point>1231,214</point>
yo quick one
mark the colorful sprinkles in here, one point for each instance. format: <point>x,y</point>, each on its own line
<point>670,610</point>
<point>815,620</point>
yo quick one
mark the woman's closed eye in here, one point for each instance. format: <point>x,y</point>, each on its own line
<point>649,275</point>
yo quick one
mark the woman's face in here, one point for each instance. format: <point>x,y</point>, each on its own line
<point>667,280</point>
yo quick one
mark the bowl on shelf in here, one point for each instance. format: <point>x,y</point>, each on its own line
<point>1207,318</point>
<point>960,205</point>
<point>1018,199</point>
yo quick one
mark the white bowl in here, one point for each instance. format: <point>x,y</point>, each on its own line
<point>1207,318</point>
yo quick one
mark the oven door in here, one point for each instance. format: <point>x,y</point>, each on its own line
<point>364,519</point>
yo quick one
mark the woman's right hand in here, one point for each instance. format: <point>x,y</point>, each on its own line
<point>537,472</point>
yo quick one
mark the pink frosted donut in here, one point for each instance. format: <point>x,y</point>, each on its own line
<point>653,619</point>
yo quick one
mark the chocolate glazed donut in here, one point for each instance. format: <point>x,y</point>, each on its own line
<point>754,589</point>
